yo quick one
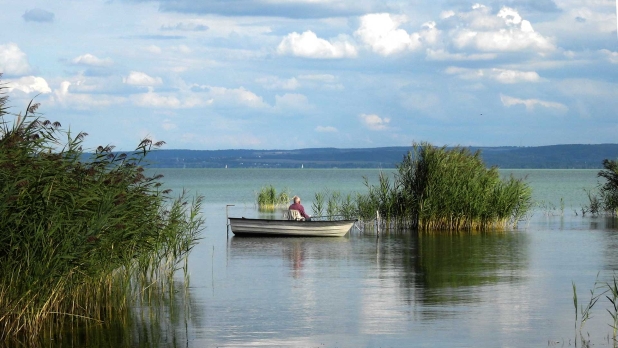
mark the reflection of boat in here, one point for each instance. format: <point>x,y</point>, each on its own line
<point>266,227</point>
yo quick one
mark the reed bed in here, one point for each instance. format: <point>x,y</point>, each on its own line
<point>605,199</point>
<point>436,188</point>
<point>268,199</point>
<point>81,241</point>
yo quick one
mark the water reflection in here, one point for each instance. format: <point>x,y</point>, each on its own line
<point>427,268</point>
<point>161,322</point>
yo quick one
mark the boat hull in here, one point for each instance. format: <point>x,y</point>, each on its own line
<point>264,227</point>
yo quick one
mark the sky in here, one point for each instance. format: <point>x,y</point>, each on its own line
<point>289,74</point>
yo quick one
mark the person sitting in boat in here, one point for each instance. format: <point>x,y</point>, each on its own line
<point>297,206</point>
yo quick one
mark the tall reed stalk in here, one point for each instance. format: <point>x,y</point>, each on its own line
<point>80,241</point>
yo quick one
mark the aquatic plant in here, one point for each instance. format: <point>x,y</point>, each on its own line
<point>81,240</point>
<point>318,204</point>
<point>268,199</point>
<point>605,198</point>
<point>437,188</point>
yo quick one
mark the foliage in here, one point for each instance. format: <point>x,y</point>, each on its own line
<point>605,199</point>
<point>77,238</point>
<point>268,199</point>
<point>446,189</point>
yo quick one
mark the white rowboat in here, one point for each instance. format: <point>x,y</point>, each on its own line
<point>264,227</point>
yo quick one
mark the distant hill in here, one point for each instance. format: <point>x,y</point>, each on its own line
<point>554,156</point>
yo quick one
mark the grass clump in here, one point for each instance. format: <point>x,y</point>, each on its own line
<point>268,199</point>
<point>437,188</point>
<point>79,240</point>
<point>606,199</point>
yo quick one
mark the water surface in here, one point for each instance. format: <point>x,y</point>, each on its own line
<point>499,289</point>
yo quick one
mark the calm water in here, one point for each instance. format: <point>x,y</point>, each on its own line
<point>508,289</point>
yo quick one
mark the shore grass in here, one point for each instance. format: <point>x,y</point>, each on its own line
<point>81,240</point>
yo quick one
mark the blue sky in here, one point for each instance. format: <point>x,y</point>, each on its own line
<point>266,74</point>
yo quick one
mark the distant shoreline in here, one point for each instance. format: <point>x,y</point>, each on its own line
<point>576,156</point>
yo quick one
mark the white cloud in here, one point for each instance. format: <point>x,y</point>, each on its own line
<point>442,55</point>
<point>530,104</point>
<point>273,82</point>
<point>500,75</point>
<point>380,31</point>
<point>505,32</point>
<point>327,78</point>
<point>229,97</point>
<point>291,101</point>
<point>156,100</point>
<point>447,14</point>
<point>326,129</point>
<point>29,84</point>
<point>611,57</point>
<point>13,60</point>
<point>91,60</point>
<point>65,98</point>
<point>154,49</point>
<point>184,49</point>
<point>137,78</point>
<point>308,45</point>
<point>375,122</point>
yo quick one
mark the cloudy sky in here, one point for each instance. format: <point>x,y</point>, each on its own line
<point>266,74</point>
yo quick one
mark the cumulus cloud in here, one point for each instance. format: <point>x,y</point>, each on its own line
<point>38,15</point>
<point>137,78</point>
<point>309,45</point>
<point>291,101</point>
<point>500,75</point>
<point>91,60</point>
<point>375,122</point>
<point>505,32</point>
<point>380,31</point>
<point>530,104</point>
<point>29,84</point>
<point>63,96</point>
<point>326,129</point>
<point>274,82</point>
<point>230,97</point>
<point>13,60</point>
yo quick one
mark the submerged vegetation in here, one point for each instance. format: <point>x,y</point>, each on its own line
<point>268,199</point>
<point>81,241</point>
<point>435,188</point>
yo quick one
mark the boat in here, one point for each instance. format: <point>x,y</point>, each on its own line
<point>269,227</point>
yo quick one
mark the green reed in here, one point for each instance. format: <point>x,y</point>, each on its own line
<point>81,240</point>
<point>604,200</point>
<point>268,199</point>
<point>435,188</point>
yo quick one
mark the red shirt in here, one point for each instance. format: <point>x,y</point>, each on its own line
<point>300,208</point>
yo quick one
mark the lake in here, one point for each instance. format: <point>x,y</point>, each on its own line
<point>496,289</point>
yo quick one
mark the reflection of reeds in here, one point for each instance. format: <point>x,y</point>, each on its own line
<point>268,199</point>
<point>81,242</point>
